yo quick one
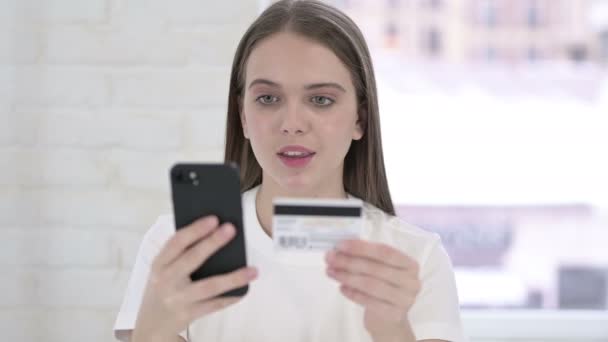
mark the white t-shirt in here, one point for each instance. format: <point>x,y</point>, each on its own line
<point>299,302</point>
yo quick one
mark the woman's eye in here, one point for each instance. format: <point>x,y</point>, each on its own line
<point>266,99</point>
<point>322,101</point>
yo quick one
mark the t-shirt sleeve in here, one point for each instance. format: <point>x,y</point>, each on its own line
<point>435,313</point>
<point>151,244</point>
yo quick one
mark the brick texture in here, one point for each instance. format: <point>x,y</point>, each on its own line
<point>98,99</point>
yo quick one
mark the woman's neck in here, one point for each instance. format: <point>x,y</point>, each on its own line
<point>267,191</point>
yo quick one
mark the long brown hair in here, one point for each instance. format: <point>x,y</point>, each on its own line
<point>364,174</point>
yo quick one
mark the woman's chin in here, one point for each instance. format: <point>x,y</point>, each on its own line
<point>296,183</point>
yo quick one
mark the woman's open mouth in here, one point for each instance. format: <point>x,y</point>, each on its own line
<point>295,156</point>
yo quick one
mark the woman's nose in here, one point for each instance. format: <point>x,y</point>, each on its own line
<point>294,120</point>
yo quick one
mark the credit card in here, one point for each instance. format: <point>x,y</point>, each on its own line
<point>314,225</point>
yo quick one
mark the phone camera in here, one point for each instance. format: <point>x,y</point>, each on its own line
<point>179,176</point>
<point>193,178</point>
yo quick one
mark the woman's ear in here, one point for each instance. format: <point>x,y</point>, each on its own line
<point>242,117</point>
<point>359,131</point>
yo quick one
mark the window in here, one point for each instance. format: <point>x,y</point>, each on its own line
<point>488,13</point>
<point>432,4</point>
<point>490,53</point>
<point>583,287</point>
<point>394,4</point>
<point>533,14</point>
<point>532,54</point>
<point>432,42</point>
<point>577,53</point>
<point>392,35</point>
<point>504,162</point>
<point>604,45</point>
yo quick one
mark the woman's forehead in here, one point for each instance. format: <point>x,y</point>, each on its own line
<point>288,58</point>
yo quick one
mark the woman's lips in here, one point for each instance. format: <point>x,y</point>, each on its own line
<point>296,161</point>
<point>295,148</point>
<point>295,156</point>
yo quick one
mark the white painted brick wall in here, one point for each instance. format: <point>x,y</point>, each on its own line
<point>21,42</point>
<point>111,47</point>
<point>168,88</point>
<point>21,324</point>
<point>46,86</point>
<point>98,99</point>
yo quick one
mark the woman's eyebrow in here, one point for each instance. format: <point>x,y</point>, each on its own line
<point>307,87</point>
<point>263,81</point>
<point>324,85</point>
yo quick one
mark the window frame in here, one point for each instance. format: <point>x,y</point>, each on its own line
<point>558,325</point>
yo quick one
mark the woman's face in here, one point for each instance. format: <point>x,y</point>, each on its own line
<point>299,111</point>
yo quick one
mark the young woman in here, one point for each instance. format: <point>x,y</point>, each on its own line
<point>302,122</point>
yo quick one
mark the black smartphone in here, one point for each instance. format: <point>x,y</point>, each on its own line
<point>200,190</point>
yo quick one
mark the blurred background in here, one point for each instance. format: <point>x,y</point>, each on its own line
<point>495,129</point>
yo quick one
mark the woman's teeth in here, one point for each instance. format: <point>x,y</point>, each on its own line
<point>295,154</point>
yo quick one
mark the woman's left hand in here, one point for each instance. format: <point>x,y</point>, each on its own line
<point>380,278</point>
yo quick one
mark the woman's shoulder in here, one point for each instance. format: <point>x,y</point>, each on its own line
<point>395,224</point>
<point>161,231</point>
<point>382,227</point>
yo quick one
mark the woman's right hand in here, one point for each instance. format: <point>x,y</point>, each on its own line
<point>171,300</point>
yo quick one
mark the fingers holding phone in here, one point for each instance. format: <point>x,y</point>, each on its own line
<point>192,258</point>
<point>183,239</point>
<point>172,300</point>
